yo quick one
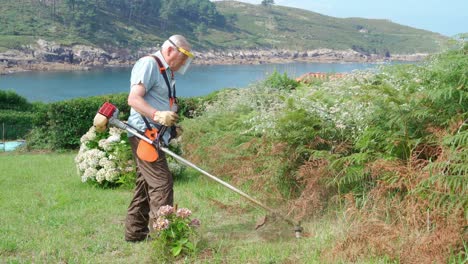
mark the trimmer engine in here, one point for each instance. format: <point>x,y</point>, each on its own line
<point>106,116</point>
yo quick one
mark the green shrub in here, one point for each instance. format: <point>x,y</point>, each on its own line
<point>15,124</point>
<point>62,124</point>
<point>175,234</point>
<point>16,115</point>
<point>190,106</point>
<point>297,127</point>
<point>364,117</point>
<point>105,159</point>
<point>409,101</point>
<point>446,95</point>
<point>9,100</point>
<point>281,81</point>
<point>40,114</point>
<point>447,187</point>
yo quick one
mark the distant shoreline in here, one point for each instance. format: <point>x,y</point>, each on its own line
<point>83,58</point>
<point>66,67</point>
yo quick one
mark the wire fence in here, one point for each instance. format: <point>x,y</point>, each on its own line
<point>13,131</point>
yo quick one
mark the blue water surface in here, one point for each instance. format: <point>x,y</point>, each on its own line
<point>199,80</point>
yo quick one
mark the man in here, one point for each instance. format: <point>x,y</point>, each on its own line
<point>153,103</point>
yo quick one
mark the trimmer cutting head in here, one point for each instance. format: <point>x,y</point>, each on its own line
<point>298,230</point>
<point>297,226</point>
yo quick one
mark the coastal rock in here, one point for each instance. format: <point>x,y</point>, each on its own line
<point>43,53</point>
<point>275,55</point>
<point>51,52</point>
<point>90,54</point>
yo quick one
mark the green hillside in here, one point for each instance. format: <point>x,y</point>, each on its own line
<point>130,24</point>
<point>283,27</point>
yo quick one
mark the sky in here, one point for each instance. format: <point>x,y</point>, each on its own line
<point>447,17</point>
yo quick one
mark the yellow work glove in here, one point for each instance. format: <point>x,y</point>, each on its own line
<point>165,118</point>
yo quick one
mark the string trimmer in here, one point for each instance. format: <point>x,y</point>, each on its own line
<point>108,116</point>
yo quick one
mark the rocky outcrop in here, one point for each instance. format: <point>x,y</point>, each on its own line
<point>275,55</point>
<point>51,52</point>
<point>45,55</point>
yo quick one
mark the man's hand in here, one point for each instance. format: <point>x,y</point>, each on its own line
<point>178,131</point>
<point>165,118</point>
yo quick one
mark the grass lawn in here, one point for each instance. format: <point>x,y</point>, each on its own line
<point>49,216</point>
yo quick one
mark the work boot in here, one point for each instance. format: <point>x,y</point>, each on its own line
<point>148,238</point>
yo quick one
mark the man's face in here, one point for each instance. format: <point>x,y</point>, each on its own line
<point>176,59</point>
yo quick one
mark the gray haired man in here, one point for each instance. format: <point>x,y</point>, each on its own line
<point>153,103</point>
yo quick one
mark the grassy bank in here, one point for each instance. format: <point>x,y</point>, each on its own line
<point>374,164</point>
<point>387,147</point>
<point>49,216</point>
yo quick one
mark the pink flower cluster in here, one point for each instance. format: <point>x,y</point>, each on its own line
<point>165,210</point>
<point>167,214</point>
<point>183,213</point>
<point>161,223</point>
<point>195,223</point>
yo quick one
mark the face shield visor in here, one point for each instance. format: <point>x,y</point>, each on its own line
<point>188,60</point>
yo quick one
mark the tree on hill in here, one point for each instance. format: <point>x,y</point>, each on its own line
<point>268,2</point>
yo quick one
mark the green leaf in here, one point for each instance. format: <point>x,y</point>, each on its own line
<point>176,250</point>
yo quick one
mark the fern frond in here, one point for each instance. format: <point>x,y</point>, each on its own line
<point>458,168</point>
<point>459,139</point>
<point>455,183</point>
<point>390,177</point>
<point>354,174</point>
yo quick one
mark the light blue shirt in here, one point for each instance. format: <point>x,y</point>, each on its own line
<point>146,71</point>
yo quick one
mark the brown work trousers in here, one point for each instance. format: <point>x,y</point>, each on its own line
<point>154,188</point>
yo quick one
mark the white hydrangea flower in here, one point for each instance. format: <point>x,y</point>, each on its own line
<point>83,178</point>
<point>111,174</point>
<point>113,131</point>
<point>90,173</point>
<point>100,175</point>
<point>107,164</point>
<point>113,138</point>
<point>90,135</point>
<point>104,144</point>
<point>103,162</point>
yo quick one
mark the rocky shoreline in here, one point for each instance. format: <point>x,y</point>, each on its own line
<point>48,56</point>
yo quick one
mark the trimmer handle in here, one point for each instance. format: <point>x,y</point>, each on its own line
<point>158,141</point>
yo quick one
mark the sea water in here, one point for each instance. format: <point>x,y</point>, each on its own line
<point>198,81</point>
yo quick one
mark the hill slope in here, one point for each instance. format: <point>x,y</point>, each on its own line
<point>219,25</point>
<point>283,27</point>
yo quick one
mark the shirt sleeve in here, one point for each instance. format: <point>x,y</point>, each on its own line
<point>142,72</point>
